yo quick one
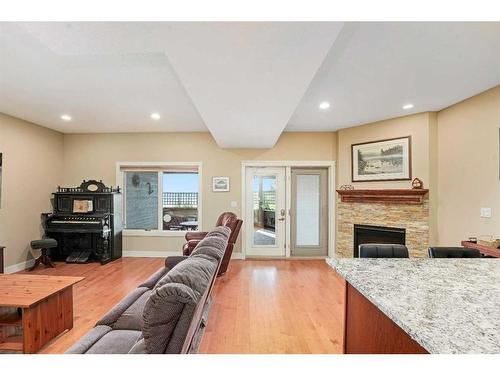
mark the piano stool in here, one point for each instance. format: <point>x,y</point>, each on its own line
<point>43,244</point>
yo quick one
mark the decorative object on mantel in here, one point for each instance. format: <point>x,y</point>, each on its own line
<point>417,183</point>
<point>220,184</point>
<point>389,196</point>
<point>346,187</point>
<point>385,160</point>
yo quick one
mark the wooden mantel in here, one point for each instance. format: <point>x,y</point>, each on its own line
<point>392,196</point>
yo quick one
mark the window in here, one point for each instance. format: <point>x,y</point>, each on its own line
<point>161,198</point>
<point>180,201</point>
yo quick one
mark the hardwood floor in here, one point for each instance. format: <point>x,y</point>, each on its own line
<point>103,287</point>
<point>260,306</point>
<point>276,306</point>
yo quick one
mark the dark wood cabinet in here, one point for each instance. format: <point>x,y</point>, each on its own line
<point>1,259</point>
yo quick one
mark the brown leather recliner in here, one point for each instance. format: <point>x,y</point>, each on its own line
<point>227,219</point>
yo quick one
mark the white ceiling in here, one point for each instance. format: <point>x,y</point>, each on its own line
<point>373,69</point>
<point>243,82</point>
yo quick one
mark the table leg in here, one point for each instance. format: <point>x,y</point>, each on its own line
<point>47,319</point>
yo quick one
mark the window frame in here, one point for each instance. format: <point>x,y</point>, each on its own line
<point>158,167</point>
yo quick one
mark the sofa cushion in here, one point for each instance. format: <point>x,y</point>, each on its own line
<point>162,313</point>
<point>139,348</point>
<point>194,272</point>
<point>132,317</point>
<point>117,341</point>
<point>214,244</point>
<point>153,279</point>
<point>116,312</point>
<point>89,339</point>
<point>170,307</point>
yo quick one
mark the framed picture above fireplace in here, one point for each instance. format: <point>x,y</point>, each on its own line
<point>384,160</point>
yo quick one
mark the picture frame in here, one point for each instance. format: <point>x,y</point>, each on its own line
<point>220,184</point>
<point>383,160</point>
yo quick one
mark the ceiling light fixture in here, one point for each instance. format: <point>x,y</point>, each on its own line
<point>155,116</point>
<point>66,117</point>
<point>324,105</point>
<point>408,106</point>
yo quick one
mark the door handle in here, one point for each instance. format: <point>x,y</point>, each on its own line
<point>281,219</point>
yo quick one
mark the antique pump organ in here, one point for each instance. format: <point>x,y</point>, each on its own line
<point>86,222</point>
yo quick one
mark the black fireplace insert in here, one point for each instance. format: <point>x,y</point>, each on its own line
<point>376,234</point>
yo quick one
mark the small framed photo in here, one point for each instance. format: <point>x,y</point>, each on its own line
<point>385,160</point>
<point>220,183</point>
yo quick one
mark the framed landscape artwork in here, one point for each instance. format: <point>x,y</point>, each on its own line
<point>220,184</point>
<point>385,160</point>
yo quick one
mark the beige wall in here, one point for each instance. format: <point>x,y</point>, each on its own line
<point>94,156</point>
<point>32,169</point>
<point>468,167</point>
<point>422,128</point>
<point>417,126</point>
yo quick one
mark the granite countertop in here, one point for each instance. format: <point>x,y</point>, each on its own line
<point>446,305</point>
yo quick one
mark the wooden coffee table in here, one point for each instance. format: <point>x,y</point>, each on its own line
<point>46,306</point>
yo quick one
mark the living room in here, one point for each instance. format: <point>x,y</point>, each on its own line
<point>168,187</point>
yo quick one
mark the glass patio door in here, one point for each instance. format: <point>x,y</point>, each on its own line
<point>265,211</point>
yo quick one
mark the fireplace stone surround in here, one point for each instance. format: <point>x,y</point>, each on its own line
<point>413,218</point>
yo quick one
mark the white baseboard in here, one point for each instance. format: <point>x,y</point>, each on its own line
<point>237,256</point>
<point>19,266</point>
<point>150,254</point>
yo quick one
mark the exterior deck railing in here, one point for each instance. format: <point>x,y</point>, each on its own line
<point>171,199</point>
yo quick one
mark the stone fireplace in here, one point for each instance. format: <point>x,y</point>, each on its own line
<point>401,216</point>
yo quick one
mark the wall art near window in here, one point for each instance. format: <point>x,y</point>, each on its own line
<point>385,160</point>
<point>220,184</point>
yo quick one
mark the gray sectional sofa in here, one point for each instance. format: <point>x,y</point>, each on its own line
<point>165,314</point>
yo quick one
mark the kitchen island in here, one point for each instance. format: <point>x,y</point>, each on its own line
<point>421,305</point>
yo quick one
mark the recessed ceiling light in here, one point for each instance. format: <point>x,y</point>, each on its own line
<point>155,116</point>
<point>66,117</point>
<point>324,105</point>
<point>408,106</point>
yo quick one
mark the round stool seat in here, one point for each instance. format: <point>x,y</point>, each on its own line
<point>46,243</point>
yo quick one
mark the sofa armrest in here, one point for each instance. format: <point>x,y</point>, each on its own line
<point>154,278</point>
<point>110,318</point>
<point>189,246</point>
<point>171,262</point>
<point>195,236</point>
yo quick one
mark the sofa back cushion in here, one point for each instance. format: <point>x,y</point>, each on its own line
<point>170,308</point>
<point>214,244</point>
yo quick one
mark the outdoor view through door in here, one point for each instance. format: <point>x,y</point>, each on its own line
<point>265,221</point>
<point>264,210</point>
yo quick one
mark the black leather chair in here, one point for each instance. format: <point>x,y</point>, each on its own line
<point>453,252</point>
<point>383,250</point>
